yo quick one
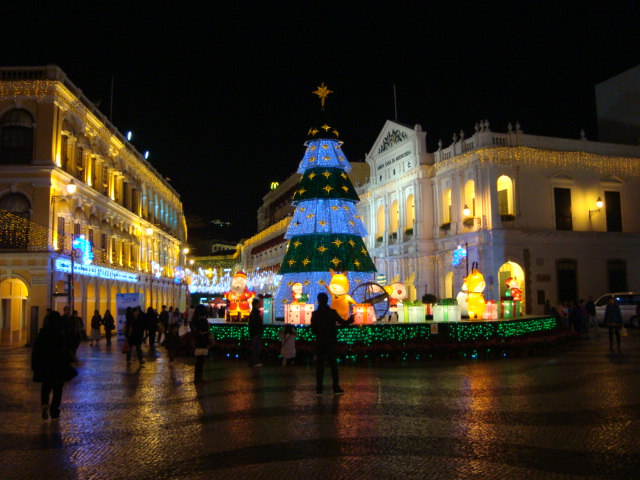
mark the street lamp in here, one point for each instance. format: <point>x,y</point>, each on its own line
<point>70,189</point>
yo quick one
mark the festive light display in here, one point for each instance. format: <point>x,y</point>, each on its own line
<point>64,265</point>
<point>368,334</point>
<point>20,233</point>
<point>326,230</point>
<point>519,156</point>
<point>60,93</point>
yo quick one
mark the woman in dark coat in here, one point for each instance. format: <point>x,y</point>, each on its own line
<point>202,341</point>
<point>152,327</point>
<point>51,364</point>
<point>109,325</point>
<point>134,332</point>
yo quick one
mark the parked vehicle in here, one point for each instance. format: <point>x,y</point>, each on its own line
<point>628,302</point>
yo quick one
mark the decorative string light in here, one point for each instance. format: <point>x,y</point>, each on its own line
<point>60,94</point>
<point>546,158</point>
<point>370,334</point>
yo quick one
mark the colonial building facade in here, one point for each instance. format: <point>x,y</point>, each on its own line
<point>557,214</point>
<point>69,177</point>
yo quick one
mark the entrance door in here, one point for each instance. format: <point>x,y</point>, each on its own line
<point>567,280</point>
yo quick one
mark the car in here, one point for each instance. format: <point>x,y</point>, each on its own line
<point>628,302</point>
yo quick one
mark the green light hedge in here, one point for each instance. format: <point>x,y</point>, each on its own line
<point>408,341</point>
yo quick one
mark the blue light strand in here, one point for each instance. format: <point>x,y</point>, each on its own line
<point>324,153</point>
<point>327,216</point>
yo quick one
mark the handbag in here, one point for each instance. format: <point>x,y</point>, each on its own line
<point>201,352</point>
<point>623,332</point>
<point>125,346</point>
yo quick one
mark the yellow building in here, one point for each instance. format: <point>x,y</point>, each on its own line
<point>68,175</point>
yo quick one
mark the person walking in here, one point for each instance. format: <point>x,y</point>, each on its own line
<point>323,325</point>
<point>152,327</point>
<point>176,317</point>
<point>134,332</point>
<point>96,323</point>
<point>163,324</point>
<point>590,306</point>
<point>288,339</point>
<point>109,325</point>
<point>256,328</point>
<point>51,364</point>
<point>613,320</point>
<point>202,341</point>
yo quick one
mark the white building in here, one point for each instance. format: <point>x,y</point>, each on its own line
<point>524,205</point>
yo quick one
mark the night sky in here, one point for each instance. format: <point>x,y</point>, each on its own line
<point>220,92</point>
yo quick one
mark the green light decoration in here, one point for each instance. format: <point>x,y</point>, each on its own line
<point>324,183</point>
<point>320,252</point>
<point>384,333</point>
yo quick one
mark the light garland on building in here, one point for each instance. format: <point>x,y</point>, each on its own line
<point>59,93</point>
<point>515,156</point>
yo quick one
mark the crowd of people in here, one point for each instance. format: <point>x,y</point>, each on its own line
<point>581,317</point>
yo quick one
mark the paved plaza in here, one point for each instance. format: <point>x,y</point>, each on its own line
<point>572,414</point>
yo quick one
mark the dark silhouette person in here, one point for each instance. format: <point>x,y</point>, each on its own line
<point>152,327</point>
<point>96,322</point>
<point>163,324</point>
<point>51,364</point>
<point>256,327</point>
<point>323,325</point>
<point>109,326</point>
<point>134,332</point>
<point>202,341</point>
<point>613,320</point>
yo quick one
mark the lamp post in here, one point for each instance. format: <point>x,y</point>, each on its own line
<point>71,189</point>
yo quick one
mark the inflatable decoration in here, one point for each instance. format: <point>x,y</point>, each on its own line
<point>239,297</point>
<point>296,294</point>
<point>461,298</point>
<point>338,289</point>
<point>475,301</point>
<point>514,288</point>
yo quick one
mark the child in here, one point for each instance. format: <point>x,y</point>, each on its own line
<point>288,338</point>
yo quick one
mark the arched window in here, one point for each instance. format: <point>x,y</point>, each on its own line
<point>505,196</point>
<point>410,213</point>
<point>393,217</point>
<point>14,211</point>
<point>470,197</point>
<point>380,222</point>
<point>446,206</point>
<point>16,137</point>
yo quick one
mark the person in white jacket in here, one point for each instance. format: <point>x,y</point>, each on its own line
<point>288,338</point>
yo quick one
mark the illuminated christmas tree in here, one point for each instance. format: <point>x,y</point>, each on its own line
<point>326,230</point>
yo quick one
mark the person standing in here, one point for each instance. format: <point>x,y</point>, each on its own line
<point>256,328</point>
<point>323,325</point>
<point>152,327</point>
<point>96,323</point>
<point>163,323</point>
<point>134,332</point>
<point>109,324</point>
<point>202,341</point>
<point>288,339</point>
<point>590,306</point>
<point>51,364</point>
<point>176,317</point>
<point>77,325</point>
<point>613,320</point>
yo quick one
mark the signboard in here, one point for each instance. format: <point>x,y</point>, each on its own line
<point>124,300</point>
<point>64,265</point>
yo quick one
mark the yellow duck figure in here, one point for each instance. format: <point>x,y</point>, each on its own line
<point>338,289</point>
<point>475,300</point>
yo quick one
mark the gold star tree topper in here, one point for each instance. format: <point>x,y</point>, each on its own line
<point>322,92</point>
